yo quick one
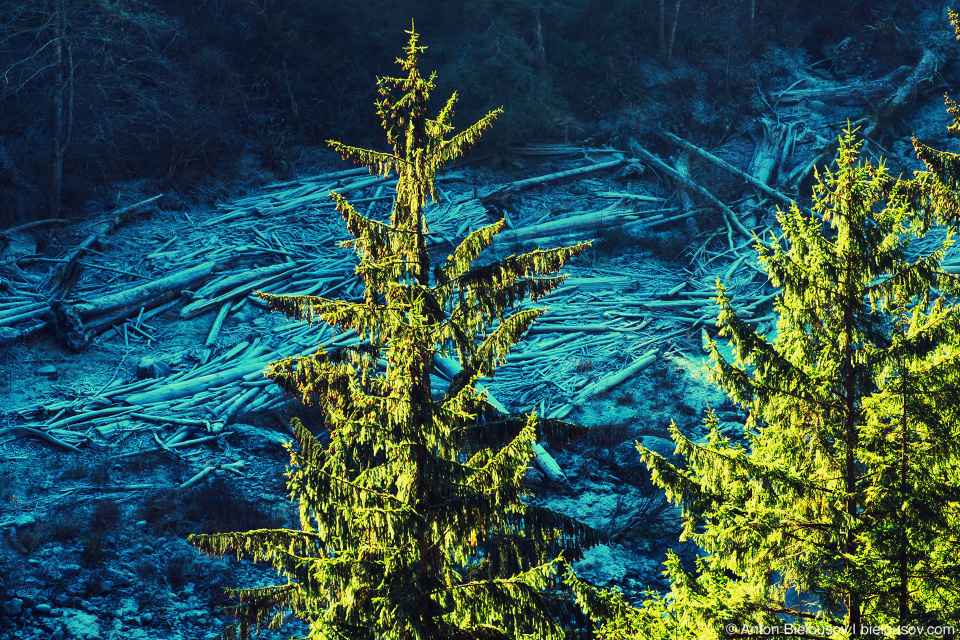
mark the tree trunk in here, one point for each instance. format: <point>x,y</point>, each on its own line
<point>663,30</point>
<point>673,29</point>
<point>61,119</point>
<point>850,461</point>
<point>903,595</point>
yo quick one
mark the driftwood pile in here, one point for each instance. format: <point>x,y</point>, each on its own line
<point>603,327</point>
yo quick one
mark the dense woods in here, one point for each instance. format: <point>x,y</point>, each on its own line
<point>96,92</point>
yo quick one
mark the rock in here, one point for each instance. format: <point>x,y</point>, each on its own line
<point>81,626</point>
<point>152,368</point>
<point>13,608</point>
<point>43,609</point>
<point>626,456</point>
<point>660,446</point>
<point>18,521</point>
<point>600,567</point>
<point>69,570</point>
<point>120,579</point>
<point>146,618</point>
<point>49,371</point>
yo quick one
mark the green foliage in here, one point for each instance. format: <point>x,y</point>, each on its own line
<point>842,502</point>
<point>413,519</point>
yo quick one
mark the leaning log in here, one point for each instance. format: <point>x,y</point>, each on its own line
<point>926,68</point>
<point>64,279</point>
<point>726,166</point>
<point>687,183</point>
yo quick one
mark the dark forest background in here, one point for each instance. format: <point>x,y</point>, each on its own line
<point>194,94</point>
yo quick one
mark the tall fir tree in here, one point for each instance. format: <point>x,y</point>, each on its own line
<point>840,506</point>
<point>413,520</point>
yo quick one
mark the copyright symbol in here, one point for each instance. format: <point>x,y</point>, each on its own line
<point>730,628</point>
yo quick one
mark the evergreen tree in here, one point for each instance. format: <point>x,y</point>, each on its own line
<point>413,519</point>
<point>840,507</point>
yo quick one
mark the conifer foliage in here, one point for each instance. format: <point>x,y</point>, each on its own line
<point>413,519</point>
<point>838,508</point>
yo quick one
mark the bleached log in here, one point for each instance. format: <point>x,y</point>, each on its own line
<point>195,385</point>
<point>134,297</point>
<point>89,416</point>
<point>42,435</point>
<point>24,313</point>
<point>244,276</point>
<point>692,186</point>
<point>66,276</point>
<point>629,196</point>
<point>197,478</point>
<point>538,329</point>
<point>199,307</point>
<point>171,420</point>
<point>726,166</point>
<point>608,382</point>
<point>675,304</point>
<point>594,220</point>
<point>546,463</point>
<point>513,187</point>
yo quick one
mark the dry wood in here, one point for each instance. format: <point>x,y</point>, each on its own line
<point>859,92</point>
<point>924,71</point>
<point>199,307</point>
<point>507,189</point>
<point>197,478</point>
<point>726,166</point>
<point>687,183</point>
<point>136,296</point>
<point>629,196</point>
<point>42,435</point>
<point>610,381</point>
<point>196,385</point>
<point>546,463</point>
<point>23,313</point>
<point>592,221</point>
<point>66,277</point>
<point>30,225</point>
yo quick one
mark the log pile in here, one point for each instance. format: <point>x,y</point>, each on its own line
<point>606,326</point>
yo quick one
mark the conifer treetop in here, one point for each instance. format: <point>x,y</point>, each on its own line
<point>414,524</point>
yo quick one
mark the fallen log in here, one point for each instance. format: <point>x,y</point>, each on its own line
<point>692,186</point>
<point>925,69</point>
<point>36,433</point>
<point>64,279</point>
<point>726,166</point>
<point>30,225</point>
<point>195,385</point>
<point>608,382</point>
<point>546,463</point>
<point>24,313</point>
<point>136,296</point>
<point>199,307</point>
<point>581,222</point>
<point>512,187</point>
